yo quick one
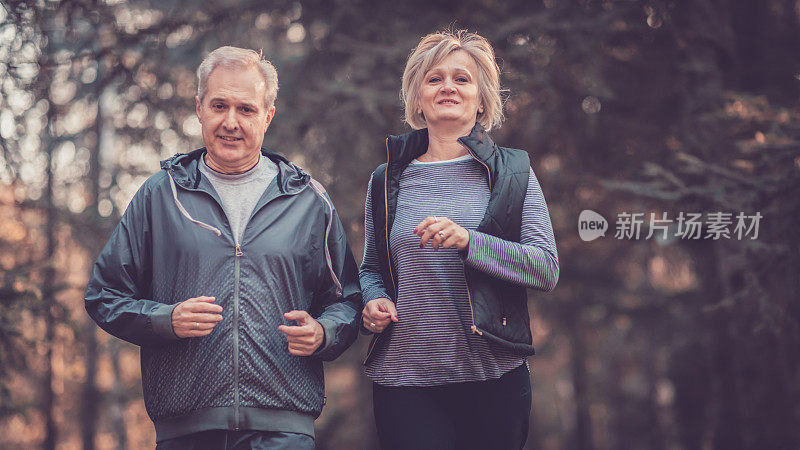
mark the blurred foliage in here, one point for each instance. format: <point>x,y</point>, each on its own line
<point>624,105</point>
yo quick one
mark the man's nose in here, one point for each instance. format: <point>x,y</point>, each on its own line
<point>230,121</point>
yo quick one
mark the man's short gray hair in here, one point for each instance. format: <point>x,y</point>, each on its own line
<point>234,57</point>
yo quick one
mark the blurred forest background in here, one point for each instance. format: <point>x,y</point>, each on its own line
<point>624,106</point>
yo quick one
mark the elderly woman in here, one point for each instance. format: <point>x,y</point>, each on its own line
<point>456,230</point>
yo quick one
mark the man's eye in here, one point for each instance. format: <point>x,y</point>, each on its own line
<point>218,106</point>
<point>247,109</point>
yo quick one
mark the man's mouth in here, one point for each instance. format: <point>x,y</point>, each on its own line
<point>230,138</point>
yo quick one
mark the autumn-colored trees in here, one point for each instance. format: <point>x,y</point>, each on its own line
<point>625,106</point>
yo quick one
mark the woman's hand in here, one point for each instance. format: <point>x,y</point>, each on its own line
<point>378,313</point>
<point>442,232</point>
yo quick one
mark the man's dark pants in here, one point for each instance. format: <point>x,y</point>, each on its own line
<point>238,440</point>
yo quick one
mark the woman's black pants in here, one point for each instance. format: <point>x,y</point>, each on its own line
<point>491,414</point>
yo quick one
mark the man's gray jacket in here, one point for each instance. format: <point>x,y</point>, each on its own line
<point>174,243</point>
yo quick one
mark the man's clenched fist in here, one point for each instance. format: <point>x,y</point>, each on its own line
<point>305,337</point>
<point>196,317</point>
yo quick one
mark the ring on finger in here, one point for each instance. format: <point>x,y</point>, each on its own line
<point>441,234</point>
<point>372,324</point>
<point>435,219</point>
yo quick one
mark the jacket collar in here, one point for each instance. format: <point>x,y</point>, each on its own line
<point>405,147</point>
<point>185,170</point>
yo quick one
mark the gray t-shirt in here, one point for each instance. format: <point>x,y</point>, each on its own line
<point>240,193</point>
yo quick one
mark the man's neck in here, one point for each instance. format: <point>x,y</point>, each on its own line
<point>231,170</point>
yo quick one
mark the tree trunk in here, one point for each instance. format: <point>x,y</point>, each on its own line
<point>48,298</point>
<point>49,273</point>
<point>583,424</point>
<point>91,397</point>
<point>118,398</point>
<point>725,417</point>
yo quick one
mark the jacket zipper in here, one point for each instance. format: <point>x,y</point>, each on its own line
<point>237,254</point>
<point>386,232</point>
<point>474,328</point>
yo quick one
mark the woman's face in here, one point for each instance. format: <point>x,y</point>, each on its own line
<point>449,91</point>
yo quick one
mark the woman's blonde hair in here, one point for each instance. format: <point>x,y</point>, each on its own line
<point>432,50</point>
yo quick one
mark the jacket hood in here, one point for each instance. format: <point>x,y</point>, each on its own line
<point>184,169</point>
<point>405,147</point>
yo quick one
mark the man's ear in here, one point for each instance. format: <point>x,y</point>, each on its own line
<point>198,106</point>
<point>270,115</point>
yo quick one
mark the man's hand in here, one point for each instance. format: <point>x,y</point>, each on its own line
<point>378,313</point>
<point>196,317</point>
<point>305,337</point>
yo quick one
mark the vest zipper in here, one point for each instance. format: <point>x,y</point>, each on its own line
<point>474,328</point>
<point>488,173</point>
<point>237,254</point>
<point>386,222</point>
<point>386,232</point>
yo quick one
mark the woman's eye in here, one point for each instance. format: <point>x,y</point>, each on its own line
<point>434,80</point>
<point>462,79</point>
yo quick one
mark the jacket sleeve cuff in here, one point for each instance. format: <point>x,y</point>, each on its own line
<point>371,294</point>
<point>329,337</point>
<point>161,321</point>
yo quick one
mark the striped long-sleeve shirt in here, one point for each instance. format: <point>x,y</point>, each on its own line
<point>431,344</point>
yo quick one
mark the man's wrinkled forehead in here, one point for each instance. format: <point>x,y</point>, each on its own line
<point>222,85</point>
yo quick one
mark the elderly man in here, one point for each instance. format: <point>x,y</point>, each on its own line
<point>230,268</point>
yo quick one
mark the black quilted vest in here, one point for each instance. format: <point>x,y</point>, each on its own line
<point>500,309</point>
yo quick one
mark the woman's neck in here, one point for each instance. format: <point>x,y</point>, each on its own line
<point>443,143</point>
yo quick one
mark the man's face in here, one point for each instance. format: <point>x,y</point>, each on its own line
<point>234,118</point>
